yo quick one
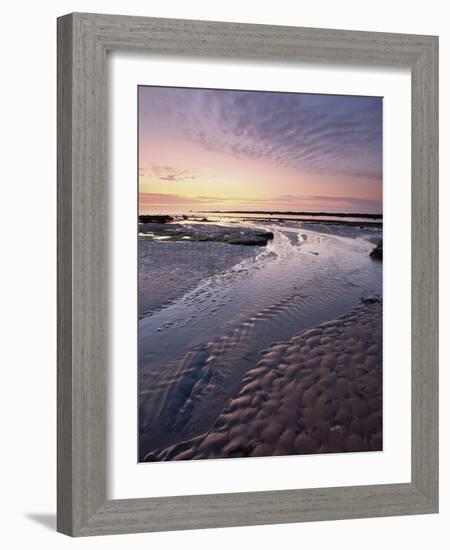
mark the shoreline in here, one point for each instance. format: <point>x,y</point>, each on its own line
<point>196,348</point>
<point>362,223</point>
<point>205,232</point>
<point>161,226</point>
<point>298,213</point>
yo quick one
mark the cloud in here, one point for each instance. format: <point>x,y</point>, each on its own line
<point>287,202</point>
<point>168,173</point>
<point>332,199</point>
<point>323,134</point>
<point>167,199</point>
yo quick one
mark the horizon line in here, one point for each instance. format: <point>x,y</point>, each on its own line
<point>293,212</point>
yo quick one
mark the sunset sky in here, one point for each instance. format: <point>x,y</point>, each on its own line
<point>231,150</point>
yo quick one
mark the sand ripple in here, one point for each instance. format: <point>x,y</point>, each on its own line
<point>319,392</point>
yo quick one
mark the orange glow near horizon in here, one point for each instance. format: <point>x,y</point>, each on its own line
<point>206,150</point>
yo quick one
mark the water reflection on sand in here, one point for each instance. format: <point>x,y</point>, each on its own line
<point>196,350</point>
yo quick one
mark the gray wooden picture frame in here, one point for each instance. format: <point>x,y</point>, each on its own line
<point>83,41</point>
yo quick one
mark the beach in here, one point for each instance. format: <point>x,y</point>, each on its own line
<point>259,338</point>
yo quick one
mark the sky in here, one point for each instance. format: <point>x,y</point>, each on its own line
<point>205,150</point>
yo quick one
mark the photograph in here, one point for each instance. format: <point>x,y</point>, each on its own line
<point>260,268</point>
<point>226,333</point>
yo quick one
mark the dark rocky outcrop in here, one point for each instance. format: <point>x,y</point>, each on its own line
<point>202,232</point>
<point>377,252</point>
<point>155,219</point>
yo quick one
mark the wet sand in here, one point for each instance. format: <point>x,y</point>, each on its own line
<point>202,337</point>
<point>319,392</point>
<point>162,280</point>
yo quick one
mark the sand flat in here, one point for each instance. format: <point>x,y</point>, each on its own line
<point>196,351</point>
<point>319,392</point>
<point>167,270</point>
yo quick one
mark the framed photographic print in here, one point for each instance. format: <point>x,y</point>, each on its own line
<point>272,344</point>
<point>247,274</point>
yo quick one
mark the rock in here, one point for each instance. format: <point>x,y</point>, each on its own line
<point>267,235</point>
<point>377,252</point>
<point>248,240</point>
<point>158,226</point>
<point>155,219</point>
<point>370,299</point>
